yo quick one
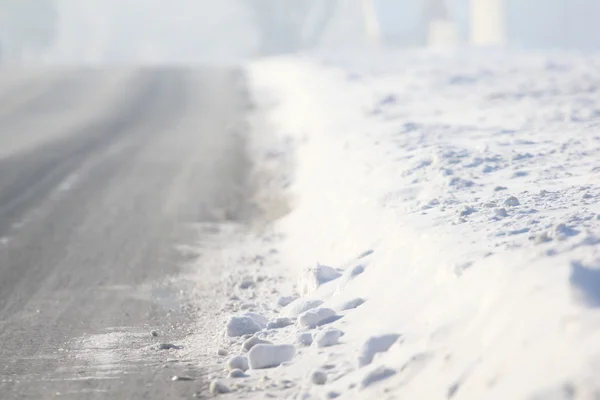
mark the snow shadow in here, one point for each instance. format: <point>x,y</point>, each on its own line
<point>586,280</point>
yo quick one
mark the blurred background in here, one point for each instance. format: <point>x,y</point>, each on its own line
<point>146,31</point>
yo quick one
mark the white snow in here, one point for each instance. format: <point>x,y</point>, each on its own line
<point>468,184</point>
<point>270,355</point>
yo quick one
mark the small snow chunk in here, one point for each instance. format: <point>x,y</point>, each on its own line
<point>253,341</point>
<point>500,212</point>
<point>500,188</point>
<point>355,271</point>
<point>512,201</point>
<point>236,373</point>
<point>313,277</point>
<point>349,275</point>
<point>365,253</point>
<point>452,390</point>
<point>168,346</point>
<point>388,99</point>
<point>562,231</point>
<point>242,325</point>
<point>285,300</point>
<point>374,345</point>
<point>181,378</point>
<point>280,322</point>
<point>237,362</point>
<point>376,375</point>
<point>318,377</point>
<point>315,316</point>
<point>299,306</point>
<point>351,304</point>
<point>542,238</point>
<point>260,319</point>
<point>222,352</point>
<point>521,156</point>
<point>565,391</point>
<point>327,337</point>
<point>246,283</point>
<point>330,320</point>
<point>466,211</point>
<point>332,395</point>
<point>218,387</point>
<point>461,183</point>
<point>304,338</point>
<point>269,355</point>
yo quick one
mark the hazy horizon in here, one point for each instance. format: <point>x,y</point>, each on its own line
<point>146,31</point>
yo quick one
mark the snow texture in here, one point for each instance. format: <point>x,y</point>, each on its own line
<point>472,178</point>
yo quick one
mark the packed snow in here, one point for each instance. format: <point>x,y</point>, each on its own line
<point>443,238</point>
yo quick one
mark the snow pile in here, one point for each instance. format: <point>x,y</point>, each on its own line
<point>455,200</point>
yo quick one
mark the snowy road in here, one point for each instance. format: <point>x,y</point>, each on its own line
<point>102,175</point>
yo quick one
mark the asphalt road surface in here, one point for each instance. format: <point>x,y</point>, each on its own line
<point>100,171</point>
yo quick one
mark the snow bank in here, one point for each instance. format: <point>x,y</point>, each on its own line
<point>469,185</point>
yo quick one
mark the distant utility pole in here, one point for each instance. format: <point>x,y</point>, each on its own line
<point>440,29</point>
<point>371,21</point>
<point>488,23</point>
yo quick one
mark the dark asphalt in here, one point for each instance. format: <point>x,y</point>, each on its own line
<point>100,171</point>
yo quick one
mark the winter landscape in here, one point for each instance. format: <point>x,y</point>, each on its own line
<point>408,220</point>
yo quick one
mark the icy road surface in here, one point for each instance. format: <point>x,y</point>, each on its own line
<point>104,175</point>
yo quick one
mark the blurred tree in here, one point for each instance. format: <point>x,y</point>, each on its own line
<point>290,26</point>
<point>28,25</point>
